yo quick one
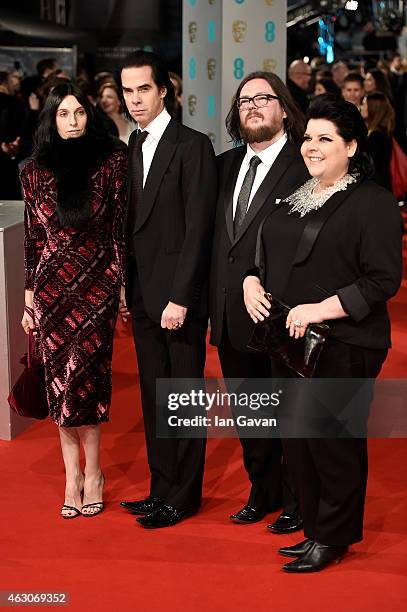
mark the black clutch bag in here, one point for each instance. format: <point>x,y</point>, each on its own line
<point>272,337</point>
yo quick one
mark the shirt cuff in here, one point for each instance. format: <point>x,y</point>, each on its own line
<point>353,302</point>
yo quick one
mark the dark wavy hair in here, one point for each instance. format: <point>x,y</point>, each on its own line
<point>47,132</point>
<point>293,123</point>
<point>161,78</point>
<point>329,85</point>
<point>350,126</point>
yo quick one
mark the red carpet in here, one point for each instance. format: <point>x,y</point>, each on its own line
<point>109,563</point>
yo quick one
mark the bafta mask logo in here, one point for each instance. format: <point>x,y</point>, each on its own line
<point>211,67</point>
<point>192,102</point>
<point>239,30</point>
<point>192,31</point>
<point>212,137</point>
<point>269,2</point>
<point>211,1</point>
<point>269,64</point>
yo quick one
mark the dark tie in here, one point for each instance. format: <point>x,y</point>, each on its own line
<point>138,167</point>
<point>244,195</point>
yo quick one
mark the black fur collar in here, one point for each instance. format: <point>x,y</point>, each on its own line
<point>72,162</point>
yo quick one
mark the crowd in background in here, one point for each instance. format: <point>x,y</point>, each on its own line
<point>379,90</point>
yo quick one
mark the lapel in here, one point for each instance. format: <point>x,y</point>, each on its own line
<point>316,222</point>
<point>268,185</point>
<point>130,204</point>
<point>229,188</point>
<point>162,157</point>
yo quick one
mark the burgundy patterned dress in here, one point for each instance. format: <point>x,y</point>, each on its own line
<point>76,276</point>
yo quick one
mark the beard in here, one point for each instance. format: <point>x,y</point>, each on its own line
<point>260,134</point>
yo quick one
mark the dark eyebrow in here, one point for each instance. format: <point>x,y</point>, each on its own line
<point>67,109</point>
<point>319,135</point>
<point>261,93</point>
<point>143,86</point>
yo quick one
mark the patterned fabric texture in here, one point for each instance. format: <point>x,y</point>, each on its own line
<point>76,276</point>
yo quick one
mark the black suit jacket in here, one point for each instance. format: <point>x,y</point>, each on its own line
<point>356,254</point>
<point>168,234</point>
<point>231,257</point>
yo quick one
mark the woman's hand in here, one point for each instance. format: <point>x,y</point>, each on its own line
<point>28,318</point>
<point>255,300</point>
<point>301,316</point>
<point>123,310</point>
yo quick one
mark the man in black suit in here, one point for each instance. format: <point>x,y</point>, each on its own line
<point>172,195</point>
<point>251,177</point>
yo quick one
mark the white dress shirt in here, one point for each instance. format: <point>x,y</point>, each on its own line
<point>268,157</point>
<point>155,131</point>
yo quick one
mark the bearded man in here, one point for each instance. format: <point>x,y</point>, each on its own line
<point>268,166</point>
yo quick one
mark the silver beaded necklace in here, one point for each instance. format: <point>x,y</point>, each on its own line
<point>303,200</point>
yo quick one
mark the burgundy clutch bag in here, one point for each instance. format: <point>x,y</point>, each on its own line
<point>271,337</point>
<point>28,397</point>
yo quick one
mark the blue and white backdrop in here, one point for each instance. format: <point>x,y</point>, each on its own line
<point>223,41</point>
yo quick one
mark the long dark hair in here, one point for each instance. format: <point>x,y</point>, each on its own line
<point>47,132</point>
<point>293,123</point>
<point>381,82</point>
<point>350,126</point>
<point>160,75</point>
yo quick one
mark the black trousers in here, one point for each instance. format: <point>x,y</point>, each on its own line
<point>330,474</point>
<point>262,457</point>
<point>176,465</point>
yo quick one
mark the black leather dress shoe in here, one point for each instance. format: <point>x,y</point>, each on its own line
<point>317,557</point>
<point>297,550</point>
<point>248,515</point>
<point>143,506</point>
<point>286,523</point>
<point>164,516</point>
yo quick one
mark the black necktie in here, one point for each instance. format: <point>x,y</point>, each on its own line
<point>138,166</point>
<point>244,195</point>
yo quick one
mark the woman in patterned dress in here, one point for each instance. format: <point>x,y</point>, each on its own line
<point>74,193</point>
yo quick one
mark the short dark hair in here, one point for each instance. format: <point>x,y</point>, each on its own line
<point>329,85</point>
<point>47,129</point>
<point>48,63</point>
<point>353,77</point>
<point>293,123</point>
<point>159,72</point>
<point>349,124</point>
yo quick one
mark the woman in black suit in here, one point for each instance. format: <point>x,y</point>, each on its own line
<point>332,251</point>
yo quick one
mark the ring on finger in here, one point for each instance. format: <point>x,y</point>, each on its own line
<point>297,323</point>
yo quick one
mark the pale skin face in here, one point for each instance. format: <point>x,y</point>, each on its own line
<point>353,92</point>
<point>300,73</point>
<point>144,100</point>
<point>271,115</point>
<point>319,89</point>
<point>370,83</point>
<point>71,118</point>
<point>364,111</point>
<point>109,101</point>
<point>325,152</point>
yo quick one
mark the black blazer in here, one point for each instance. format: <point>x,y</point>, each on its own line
<point>168,237</point>
<point>356,254</point>
<point>231,257</point>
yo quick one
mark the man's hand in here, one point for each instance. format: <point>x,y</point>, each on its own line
<point>173,316</point>
<point>255,300</point>
<point>123,310</point>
